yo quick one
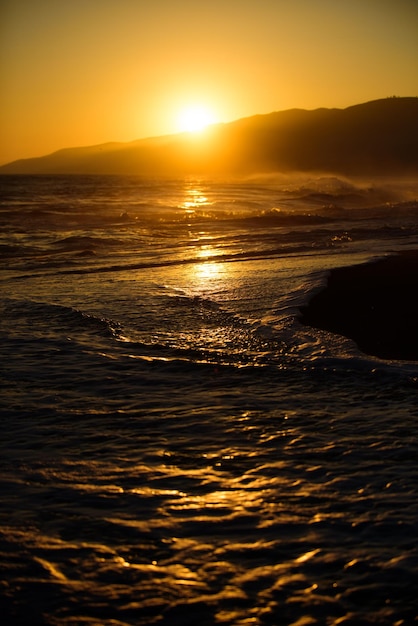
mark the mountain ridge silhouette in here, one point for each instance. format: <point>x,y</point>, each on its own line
<point>376,137</point>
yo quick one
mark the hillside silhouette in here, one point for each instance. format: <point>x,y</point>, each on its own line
<point>377,137</point>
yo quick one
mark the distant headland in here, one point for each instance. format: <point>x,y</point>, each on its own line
<point>374,138</point>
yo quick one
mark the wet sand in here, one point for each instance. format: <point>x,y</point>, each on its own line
<point>375,304</point>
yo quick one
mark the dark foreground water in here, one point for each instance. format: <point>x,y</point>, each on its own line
<point>176,447</point>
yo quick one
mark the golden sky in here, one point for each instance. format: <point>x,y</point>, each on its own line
<point>83,72</point>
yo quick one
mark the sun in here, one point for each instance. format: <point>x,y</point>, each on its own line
<point>195,118</point>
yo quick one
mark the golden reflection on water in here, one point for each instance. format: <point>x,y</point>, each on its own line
<point>195,202</point>
<point>194,199</point>
<point>209,269</point>
<point>223,503</point>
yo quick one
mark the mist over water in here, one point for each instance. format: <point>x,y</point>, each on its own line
<point>176,446</point>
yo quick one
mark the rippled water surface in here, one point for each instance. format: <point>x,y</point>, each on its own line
<point>176,448</point>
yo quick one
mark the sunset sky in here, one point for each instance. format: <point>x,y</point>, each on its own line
<point>85,72</point>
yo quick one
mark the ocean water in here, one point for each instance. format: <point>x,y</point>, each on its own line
<point>176,447</point>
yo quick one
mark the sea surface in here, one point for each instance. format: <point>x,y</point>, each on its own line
<point>176,447</point>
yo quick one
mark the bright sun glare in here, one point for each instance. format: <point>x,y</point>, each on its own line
<point>195,118</point>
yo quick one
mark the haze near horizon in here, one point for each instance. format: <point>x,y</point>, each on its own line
<point>90,72</point>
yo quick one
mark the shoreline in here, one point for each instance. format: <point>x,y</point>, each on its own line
<point>374,304</point>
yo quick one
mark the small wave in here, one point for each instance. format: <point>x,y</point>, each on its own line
<point>77,242</point>
<point>14,251</point>
<point>58,317</point>
<point>281,217</point>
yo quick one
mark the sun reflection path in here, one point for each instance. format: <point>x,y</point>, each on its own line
<point>196,204</point>
<point>209,268</point>
<point>194,199</point>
